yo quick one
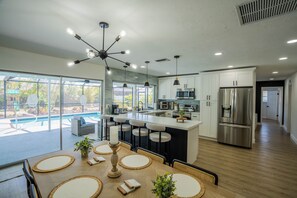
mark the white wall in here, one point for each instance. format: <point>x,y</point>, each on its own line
<point>293,127</point>
<point>23,61</point>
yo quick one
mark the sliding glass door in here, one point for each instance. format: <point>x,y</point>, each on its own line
<point>30,109</point>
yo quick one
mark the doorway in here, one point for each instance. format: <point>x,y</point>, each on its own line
<point>271,103</point>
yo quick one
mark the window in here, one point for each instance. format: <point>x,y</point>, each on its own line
<point>133,96</point>
<point>264,96</point>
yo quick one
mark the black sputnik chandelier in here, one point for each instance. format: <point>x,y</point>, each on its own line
<point>103,53</point>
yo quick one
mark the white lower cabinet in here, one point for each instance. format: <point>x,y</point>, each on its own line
<point>209,118</point>
<point>195,116</point>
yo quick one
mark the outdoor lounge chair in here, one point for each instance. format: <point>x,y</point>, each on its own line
<point>79,127</point>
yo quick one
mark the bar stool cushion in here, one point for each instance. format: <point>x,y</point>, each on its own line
<point>165,137</point>
<point>125,127</point>
<point>104,117</point>
<point>155,127</point>
<point>143,132</point>
<point>136,123</point>
<point>120,120</point>
<point>109,124</point>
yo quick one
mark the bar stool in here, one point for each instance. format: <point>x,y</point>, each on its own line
<point>159,136</point>
<point>122,127</point>
<point>107,124</point>
<point>139,131</point>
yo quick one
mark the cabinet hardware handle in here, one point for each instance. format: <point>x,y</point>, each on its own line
<point>209,97</point>
<point>233,82</point>
<point>236,83</point>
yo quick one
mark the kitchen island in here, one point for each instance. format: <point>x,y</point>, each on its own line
<point>184,142</point>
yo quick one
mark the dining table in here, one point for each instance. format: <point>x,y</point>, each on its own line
<point>47,181</point>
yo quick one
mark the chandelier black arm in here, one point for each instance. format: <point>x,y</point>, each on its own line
<point>121,52</point>
<point>118,60</point>
<point>106,63</point>
<point>111,45</point>
<point>82,60</point>
<point>88,44</point>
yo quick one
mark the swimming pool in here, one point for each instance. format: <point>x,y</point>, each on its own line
<point>94,116</point>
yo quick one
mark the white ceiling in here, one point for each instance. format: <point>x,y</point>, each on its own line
<point>194,29</point>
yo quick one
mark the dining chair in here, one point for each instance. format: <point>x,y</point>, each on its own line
<point>33,191</point>
<point>196,171</point>
<point>28,176</point>
<point>126,145</point>
<point>155,156</point>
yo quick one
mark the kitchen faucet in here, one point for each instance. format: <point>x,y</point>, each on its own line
<point>141,105</point>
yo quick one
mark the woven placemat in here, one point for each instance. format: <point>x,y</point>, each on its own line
<point>50,160</point>
<point>185,184</point>
<point>136,158</point>
<point>77,188</point>
<point>103,149</point>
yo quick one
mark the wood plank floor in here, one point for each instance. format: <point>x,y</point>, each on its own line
<point>269,169</point>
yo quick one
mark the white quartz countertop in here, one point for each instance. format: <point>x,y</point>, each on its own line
<point>168,122</point>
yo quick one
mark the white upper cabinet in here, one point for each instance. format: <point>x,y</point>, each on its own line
<point>164,88</point>
<point>187,82</point>
<point>237,78</point>
<point>209,86</point>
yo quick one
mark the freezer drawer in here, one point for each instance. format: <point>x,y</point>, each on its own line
<point>238,135</point>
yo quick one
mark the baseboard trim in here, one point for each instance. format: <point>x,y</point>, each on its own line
<point>208,138</point>
<point>294,139</point>
<point>285,128</point>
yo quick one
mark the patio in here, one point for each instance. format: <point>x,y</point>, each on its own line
<point>34,139</point>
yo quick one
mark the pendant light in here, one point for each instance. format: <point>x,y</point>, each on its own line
<point>125,84</point>
<point>147,84</point>
<point>176,81</point>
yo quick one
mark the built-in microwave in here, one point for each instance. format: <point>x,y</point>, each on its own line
<point>188,93</point>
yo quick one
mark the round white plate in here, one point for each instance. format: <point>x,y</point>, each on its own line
<point>77,187</point>
<point>53,163</point>
<point>135,161</point>
<point>186,186</point>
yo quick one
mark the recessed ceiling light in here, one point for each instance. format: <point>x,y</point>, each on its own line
<point>142,66</point>
<point>230,66</point>
<point>218,53</point>
<point>292,41</point>
<point>283,58</point>
<point>135,76</point>
<point>134,66</point>
<point>167,73</point>
<point>275,72</point>
<point>271,78</point>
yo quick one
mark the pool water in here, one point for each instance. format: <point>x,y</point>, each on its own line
<point>94,116</point>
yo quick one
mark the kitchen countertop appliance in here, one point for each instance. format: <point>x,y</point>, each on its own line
<point>235,116</point>
<point>164,105</point>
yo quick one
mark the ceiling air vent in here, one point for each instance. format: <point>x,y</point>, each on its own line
<point>163,59</point>
<point>262,9</point>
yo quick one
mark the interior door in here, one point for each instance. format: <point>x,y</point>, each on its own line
<point>272,101</point>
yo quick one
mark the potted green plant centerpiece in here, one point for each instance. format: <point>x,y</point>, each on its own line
<point>84,146</point>
<point>164,186</point>
<point>181,113</point>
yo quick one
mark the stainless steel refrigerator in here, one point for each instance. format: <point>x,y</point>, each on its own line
<point>235,116</point>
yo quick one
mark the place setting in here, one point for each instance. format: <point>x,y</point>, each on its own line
<point>53,163</point>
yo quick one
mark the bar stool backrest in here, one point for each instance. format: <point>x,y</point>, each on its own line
<point>119,120</point>
<point>155,127</point>
<point>136,123</point>
<point>104,117</point>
